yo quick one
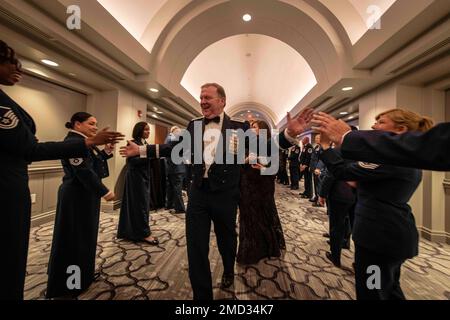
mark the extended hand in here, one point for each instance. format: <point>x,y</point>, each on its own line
<point>299,124</point>
<point>104,137</point>
<point>131,150</point>
<point>330,127</point>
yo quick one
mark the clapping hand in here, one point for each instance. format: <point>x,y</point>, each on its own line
<point>104,137</point>
<point>330,127</point>
<point>298,125</point>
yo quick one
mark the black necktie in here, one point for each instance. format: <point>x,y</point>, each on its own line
<point>216,120</point>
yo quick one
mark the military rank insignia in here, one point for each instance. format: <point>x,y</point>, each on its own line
<point>367,165</point>
<point>76,161</point>
<point>8,120</point>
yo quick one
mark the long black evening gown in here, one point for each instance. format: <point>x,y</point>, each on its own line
<point>260,231</point>
<point>134,211</point>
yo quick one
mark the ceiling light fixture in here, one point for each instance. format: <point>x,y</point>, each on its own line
<point>347,88</point>
<point>154,90</point>
<point>247,17</point>
<point>155,116</point>
<point>344,113</point>
<point>50,62</point>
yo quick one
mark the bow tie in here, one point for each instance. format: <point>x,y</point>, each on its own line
<point>216,120</point>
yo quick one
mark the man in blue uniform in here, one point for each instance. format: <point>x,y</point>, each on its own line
<point>18,148</point>
<point>294,169</point>
<point>427,150</point>
<point>214,194</point>
<point>305,160</point>
<point>175,175</point>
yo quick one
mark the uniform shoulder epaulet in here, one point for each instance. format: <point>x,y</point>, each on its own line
<point>199,118</point>
<point>237,120</point>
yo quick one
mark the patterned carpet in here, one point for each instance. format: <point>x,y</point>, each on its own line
<point>140,271</point>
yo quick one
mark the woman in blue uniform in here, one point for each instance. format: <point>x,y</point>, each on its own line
<point>18,148</point>
<point>384,231</point>
<point>77,213</point>
<point>134,212</point>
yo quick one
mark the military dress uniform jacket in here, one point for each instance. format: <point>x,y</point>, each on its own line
<point>77,219</point>
<point>384,222</point>
<point>294,157</point>
<point>334,189</point>
<point>18,147</point>
<point>221,176</point>
<point>428,150</point>
<point>305,158</point>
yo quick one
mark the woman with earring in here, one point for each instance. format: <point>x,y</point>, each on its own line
<point>77,214</point>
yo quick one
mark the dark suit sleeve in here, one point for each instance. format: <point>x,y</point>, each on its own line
<point>354,171</point>
<point>325,185</point>
<point>283,142</point>
<point>427,150</point>
<point>56,150</point>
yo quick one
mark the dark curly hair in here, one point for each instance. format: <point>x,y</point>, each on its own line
<point>8,55</point>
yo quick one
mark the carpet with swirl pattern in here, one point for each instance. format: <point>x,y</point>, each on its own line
<point>140,271</point>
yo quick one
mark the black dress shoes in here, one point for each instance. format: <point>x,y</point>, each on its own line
<point>227,281</point>
<point>334,261</point>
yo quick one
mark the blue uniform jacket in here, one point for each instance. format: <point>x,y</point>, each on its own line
<point>383,219</point>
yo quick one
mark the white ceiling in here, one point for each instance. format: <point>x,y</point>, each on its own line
<point>134,15</point>
<point>253,68</point>
<point>274,75</point>
<point>357,16</point>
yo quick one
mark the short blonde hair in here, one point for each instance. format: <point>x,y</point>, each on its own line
<point>173,129</point>
<point>409,119</point>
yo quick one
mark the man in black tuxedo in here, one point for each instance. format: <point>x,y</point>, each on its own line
<point>212,140</point>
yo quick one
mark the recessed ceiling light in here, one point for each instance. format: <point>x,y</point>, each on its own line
<point>155,116</point>
<point>159,112</point>
<point>347,89</point>
<point>50,63</point>
<point>247,17</point>
<point>248,111</point>
<point>350,118</point>
<point>154,90</point>
<point>343,113</point>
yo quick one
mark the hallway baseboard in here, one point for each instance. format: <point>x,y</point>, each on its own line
<point>435,236</point>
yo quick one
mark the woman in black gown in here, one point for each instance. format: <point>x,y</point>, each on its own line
<point>134,212</point>
<point>260,231</point>
<point>77,214</point>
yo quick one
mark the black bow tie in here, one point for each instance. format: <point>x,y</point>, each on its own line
<point>216,120</point>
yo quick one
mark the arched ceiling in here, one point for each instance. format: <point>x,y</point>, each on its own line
<point>288,49</point>
<point>357,16</point>
<point>253,69</point>
<point>136,17</point>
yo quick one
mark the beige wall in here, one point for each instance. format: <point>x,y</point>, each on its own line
<point>51,106</point>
